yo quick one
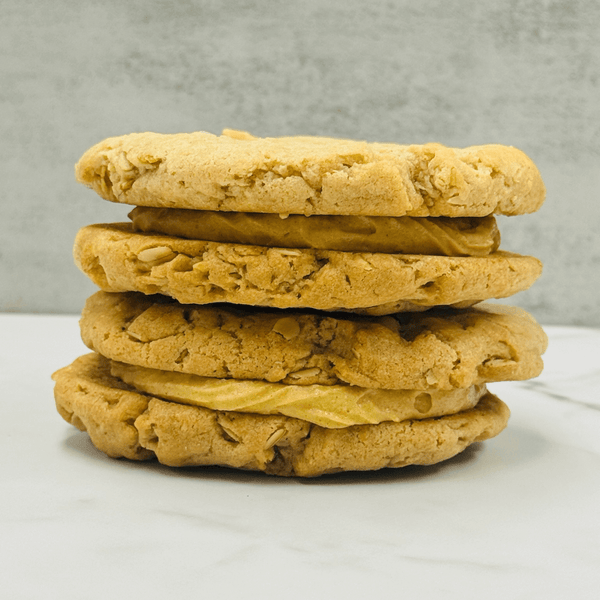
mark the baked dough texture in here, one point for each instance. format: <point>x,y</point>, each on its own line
<point>300,305</point>
<point>311,175</point>
<point>117,259</point>
<point>440,349</point>
<point>124,423</point>
<point>407,235</point>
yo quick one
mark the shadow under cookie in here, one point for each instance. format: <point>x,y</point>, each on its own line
<point>122,422</point>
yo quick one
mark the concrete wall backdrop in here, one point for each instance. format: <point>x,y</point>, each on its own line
<point>518,72</point>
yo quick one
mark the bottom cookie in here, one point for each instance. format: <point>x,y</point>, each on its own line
<point>125,423</point>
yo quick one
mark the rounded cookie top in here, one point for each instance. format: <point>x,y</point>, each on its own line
<point>440,349</point>
<point>125,423</point>
<point>311,175</point>
<point>198,272</point>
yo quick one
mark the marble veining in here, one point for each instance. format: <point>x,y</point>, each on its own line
<point>543,388</point>
<point>514,517</point>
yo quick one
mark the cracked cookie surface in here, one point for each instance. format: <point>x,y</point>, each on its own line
<point>441,349</point>
<point>196,272</point>
<point>125,423</point>
<point>310,175</point>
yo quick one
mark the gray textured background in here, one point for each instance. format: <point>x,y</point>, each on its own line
<point>520,72</point>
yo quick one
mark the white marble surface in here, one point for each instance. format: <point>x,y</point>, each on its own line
<point>515,517</point>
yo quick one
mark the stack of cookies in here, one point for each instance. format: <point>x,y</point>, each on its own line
<point>299,305</point>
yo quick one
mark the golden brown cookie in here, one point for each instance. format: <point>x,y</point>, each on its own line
<point>311,175</point>
<point>406,235</point>
<point>126,423</point>
<point>91,399</point>
<point>191,271</point>
<point>441,349</point>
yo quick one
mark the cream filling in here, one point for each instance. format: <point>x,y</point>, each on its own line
<point>406,235</point>
<point>330,406</point>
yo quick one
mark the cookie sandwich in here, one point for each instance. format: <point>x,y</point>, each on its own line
<point>299,306</point>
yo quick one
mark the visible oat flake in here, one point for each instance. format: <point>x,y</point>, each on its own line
<point>305,373</point>
<point>288,327</point>
<point>274,438</point>
<point>154,254</point>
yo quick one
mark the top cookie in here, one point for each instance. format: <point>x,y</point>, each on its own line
<point>310,175</point>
